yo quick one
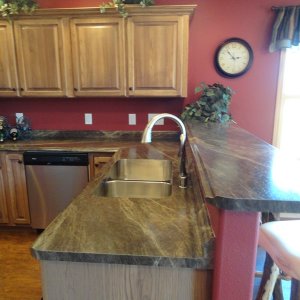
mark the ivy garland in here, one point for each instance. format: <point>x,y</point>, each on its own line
<point>9,8</point>
<point>119,5</point>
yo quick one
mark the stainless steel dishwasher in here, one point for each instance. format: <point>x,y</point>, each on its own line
<point>53,178</point>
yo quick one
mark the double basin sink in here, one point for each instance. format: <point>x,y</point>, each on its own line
<point>138,178</point>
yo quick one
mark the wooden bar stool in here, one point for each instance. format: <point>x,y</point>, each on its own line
<point>281,240</point>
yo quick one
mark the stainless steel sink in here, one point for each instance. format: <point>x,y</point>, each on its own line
<point>138,178</point>
<point>142,169</point>
<point>135,189</point>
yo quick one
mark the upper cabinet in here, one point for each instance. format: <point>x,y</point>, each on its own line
<point>82,53</point>
<point>157,55</point>
<point>8,75</point>
<point>41,57</point>
<point>98,56</point>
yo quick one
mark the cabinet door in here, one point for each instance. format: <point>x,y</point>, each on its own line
<point>3,206</point>
<point>98,56</point>
<point>157,55</point>
<point>97,161</point>
<point>17,191</point>
<point>42,57</point>
<point>8,75</point>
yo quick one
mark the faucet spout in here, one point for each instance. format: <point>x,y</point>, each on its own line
<point>147,138</point>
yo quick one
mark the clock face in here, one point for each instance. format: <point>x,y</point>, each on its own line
<point>233,58</point>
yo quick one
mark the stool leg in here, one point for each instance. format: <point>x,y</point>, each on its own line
<point>269,288</point>
<point>265,277</point>
<point>295,289</point>
<point>277,293</point>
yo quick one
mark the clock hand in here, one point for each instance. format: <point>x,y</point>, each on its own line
<point>231,55</point>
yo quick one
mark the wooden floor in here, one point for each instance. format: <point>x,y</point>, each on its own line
<point>19,271</point>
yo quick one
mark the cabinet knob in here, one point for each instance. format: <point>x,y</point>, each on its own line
<point>96,165</point>
<point>130,88</point>
<point>14,89</point>
<point>20,161</point>
<point>21,89</point>
<point>75,89</point>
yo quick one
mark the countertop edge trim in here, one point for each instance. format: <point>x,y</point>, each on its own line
<point>203,263</point>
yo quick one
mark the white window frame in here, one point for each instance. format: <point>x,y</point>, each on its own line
<point>278,121</point>
<point>288,94</point>
<point>279,103</point>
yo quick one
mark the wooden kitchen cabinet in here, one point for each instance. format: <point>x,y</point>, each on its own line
<point>157,55</point>
<point>80,53</point>
<point>98,56</point>
<point>97,161</point>
<point>8,74</point>
<point>42,47</point>
<point>3,206</point>
<point>15,188</point>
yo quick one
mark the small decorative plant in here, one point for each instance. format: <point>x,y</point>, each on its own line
<point>119,5</point>
<point>9,8</point>
<point>212,104</point>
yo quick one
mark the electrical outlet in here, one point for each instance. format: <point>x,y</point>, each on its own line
<point>160,122</point>
<point>132,119</point>
<point>88,119</point>
<point>19,116</point>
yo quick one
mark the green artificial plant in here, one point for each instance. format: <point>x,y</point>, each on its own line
<point>212,104</point>
<point>9,8</point>
<point>119,5</point>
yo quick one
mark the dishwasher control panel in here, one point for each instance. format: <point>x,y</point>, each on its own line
<point>57,158</point>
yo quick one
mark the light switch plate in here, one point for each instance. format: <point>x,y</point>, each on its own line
<point>160,122</point>
<point>88,119</point>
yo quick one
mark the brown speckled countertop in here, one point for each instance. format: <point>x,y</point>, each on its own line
<point>93,141</point>
<point>172,231</point>
<point>231,169</point>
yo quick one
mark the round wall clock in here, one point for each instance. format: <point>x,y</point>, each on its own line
<point>233,57</point>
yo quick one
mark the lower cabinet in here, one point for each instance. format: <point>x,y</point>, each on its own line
<point>97,161</point>
<point>3,206</point>
<point>14,205</point>
<point>14,208</point>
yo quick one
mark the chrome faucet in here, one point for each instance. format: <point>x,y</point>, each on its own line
<point>146,138</point>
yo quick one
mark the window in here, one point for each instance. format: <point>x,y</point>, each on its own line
<point>287,116</point>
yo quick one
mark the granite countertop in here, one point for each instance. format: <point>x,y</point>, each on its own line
<point>239,171</point>
<point>173,231</point>
<point>90,140</point>
<point>228,167</point>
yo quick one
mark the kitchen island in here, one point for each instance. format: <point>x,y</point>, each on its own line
<point>129,248</point>
<point>233,173</point>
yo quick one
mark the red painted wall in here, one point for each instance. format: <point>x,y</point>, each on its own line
<point>252,106</point>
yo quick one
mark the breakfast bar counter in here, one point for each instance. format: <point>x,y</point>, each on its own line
<point>240,176</point>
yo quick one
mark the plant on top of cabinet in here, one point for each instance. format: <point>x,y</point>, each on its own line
<point>120,5</point>
<point>212,104</point>
<point>14,7</point>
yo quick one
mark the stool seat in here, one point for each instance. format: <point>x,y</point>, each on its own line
<point>281,239</point>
